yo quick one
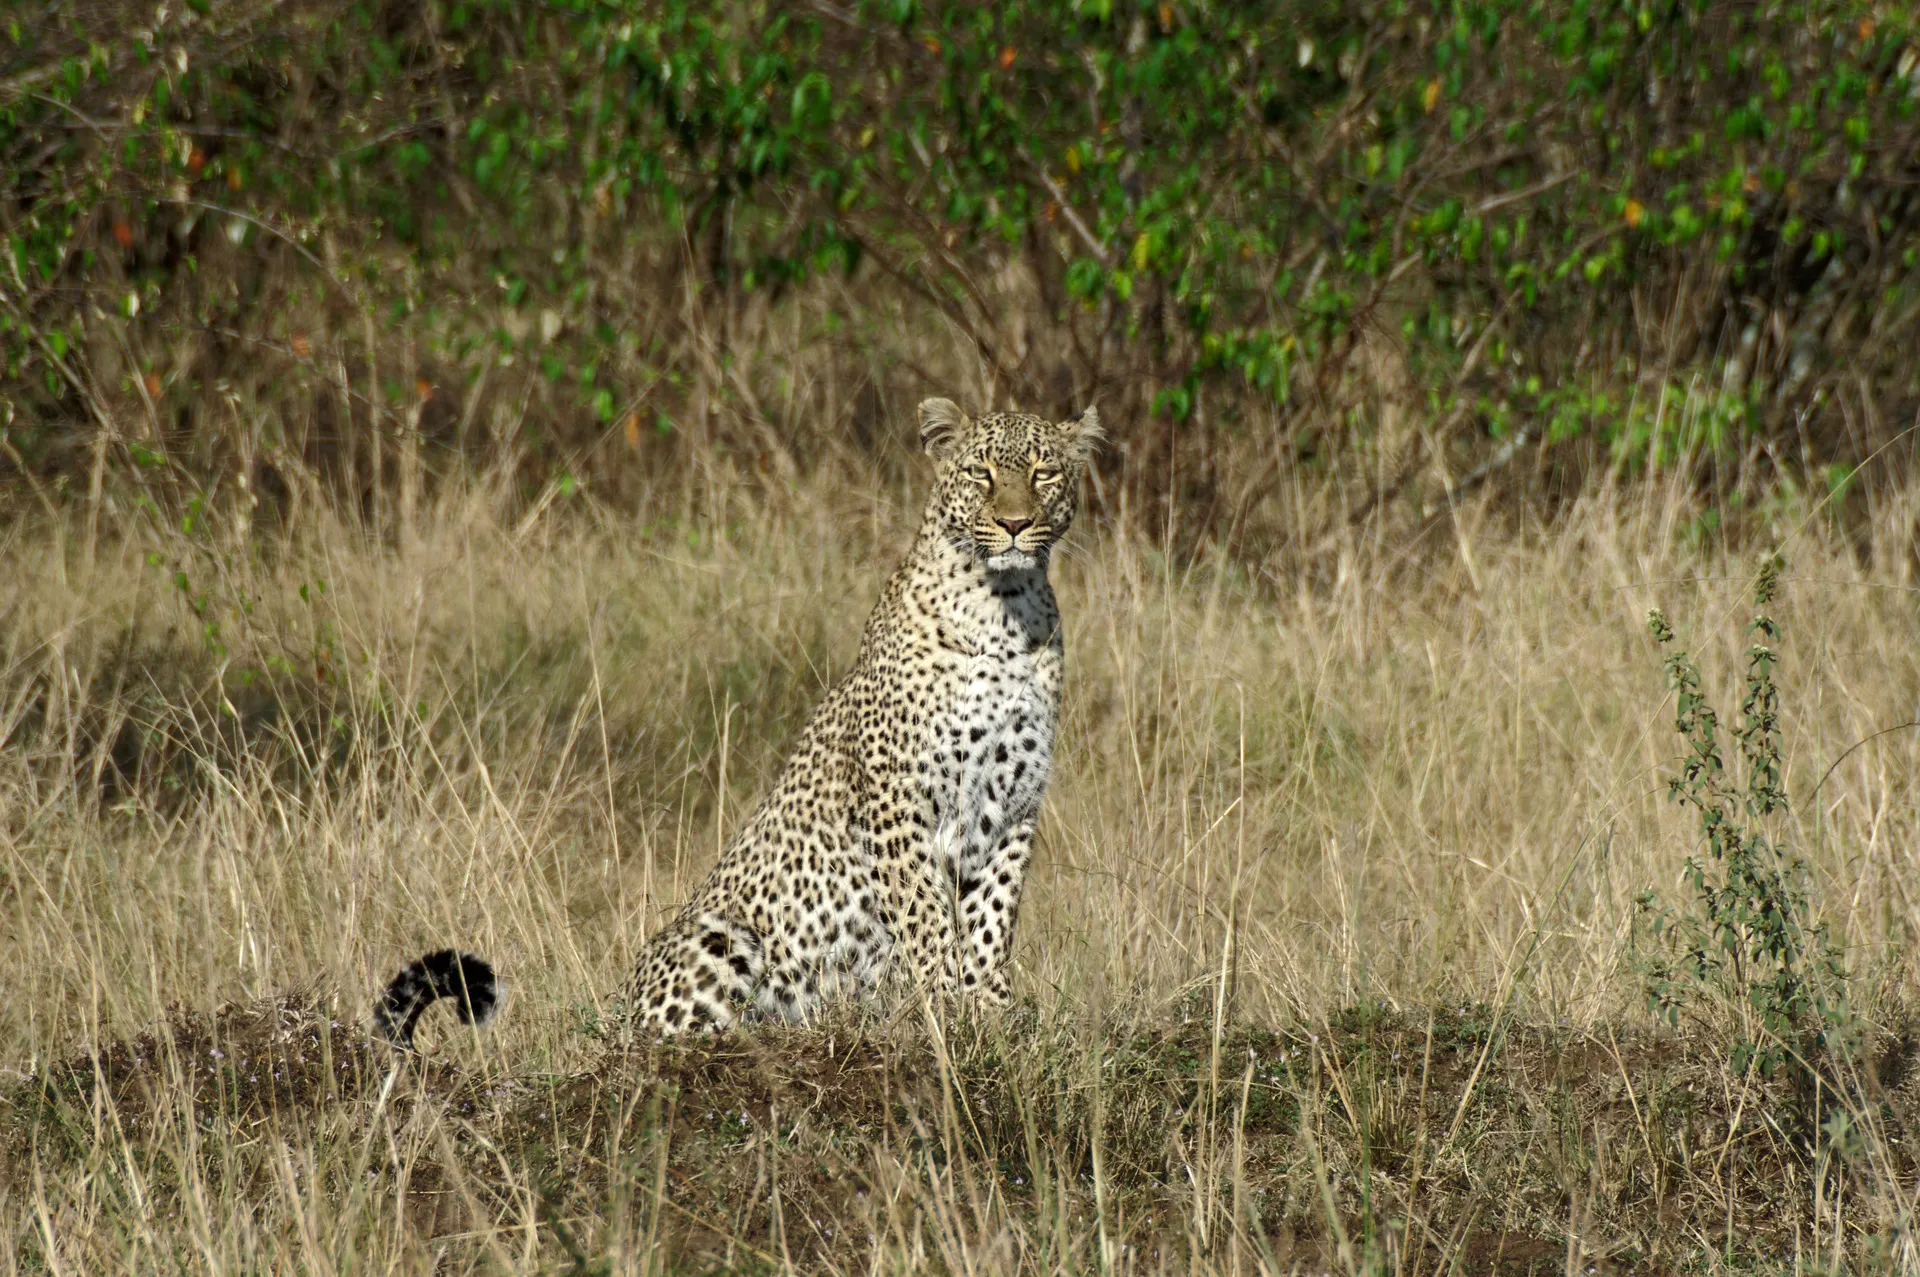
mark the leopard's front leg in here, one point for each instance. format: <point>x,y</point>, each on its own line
<point>987,902</point>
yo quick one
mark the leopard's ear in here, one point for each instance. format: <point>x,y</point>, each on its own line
<point>1083,434</point>
<point>943,428</point>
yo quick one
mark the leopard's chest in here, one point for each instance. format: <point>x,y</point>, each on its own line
<point>989,749</point>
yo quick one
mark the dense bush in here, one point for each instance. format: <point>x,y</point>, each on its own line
<point>1588,232</point>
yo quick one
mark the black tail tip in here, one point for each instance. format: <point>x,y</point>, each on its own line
<point>467,978</point>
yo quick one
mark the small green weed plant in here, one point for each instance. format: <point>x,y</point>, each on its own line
<point>1748,939</point>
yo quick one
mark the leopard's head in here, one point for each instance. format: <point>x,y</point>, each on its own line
<point>1007,483</point>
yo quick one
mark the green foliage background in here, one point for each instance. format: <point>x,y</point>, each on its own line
<point>1599,235</point>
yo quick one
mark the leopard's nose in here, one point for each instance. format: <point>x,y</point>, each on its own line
<point>1014,526</point>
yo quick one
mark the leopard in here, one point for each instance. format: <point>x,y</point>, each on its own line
<point>894,846</point>
<point>891,851</point>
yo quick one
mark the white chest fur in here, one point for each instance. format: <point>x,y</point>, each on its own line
<point>991,743</point>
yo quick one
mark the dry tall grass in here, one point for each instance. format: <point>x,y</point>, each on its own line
<point>1328,960</point>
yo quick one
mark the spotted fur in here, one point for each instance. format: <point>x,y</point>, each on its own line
<point>893,847</point>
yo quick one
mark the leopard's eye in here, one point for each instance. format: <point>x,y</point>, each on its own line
<point>979,474</point>
<point>1046,474</point>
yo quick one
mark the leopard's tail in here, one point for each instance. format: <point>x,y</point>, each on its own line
<point>467,978</point>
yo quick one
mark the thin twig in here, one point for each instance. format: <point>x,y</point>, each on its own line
<point>1885,731</point>
<point>1524,193</point>
<point>1080,228</point>
<point>346,290</point>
